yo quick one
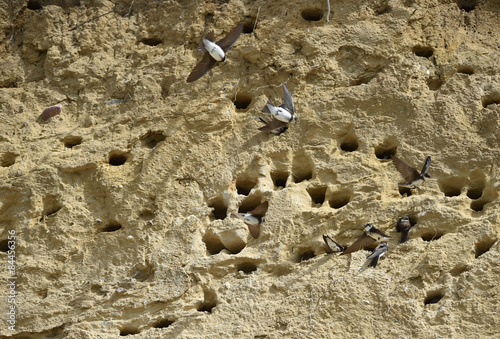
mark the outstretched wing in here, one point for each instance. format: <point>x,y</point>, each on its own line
<point>359,244</point>
<point>406,170</point>
<point>206,63</point>
<point>427,164</point>
<point>227,42</point>
<point>273,124</point>
<point>260,210</point>
<point>288,105</point>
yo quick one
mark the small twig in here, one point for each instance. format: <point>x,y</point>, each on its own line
<point>257,17</point>
<point>94,18</point>
<point>328,11</point>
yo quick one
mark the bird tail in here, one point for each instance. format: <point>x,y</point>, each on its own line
<point>266,108</point>
<point>210,36</point>
<point>374,262</point>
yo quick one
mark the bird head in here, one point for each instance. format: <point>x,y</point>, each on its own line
<point>367,227</point>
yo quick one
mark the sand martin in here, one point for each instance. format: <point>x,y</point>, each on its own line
<point>332,245</point>
<point>411,175</point>
<point>369,236</point>
<point>214,51</point>
<point>378,253</point>
<point>253,219</point>
<point>282,115</point>
<point>404,226</point>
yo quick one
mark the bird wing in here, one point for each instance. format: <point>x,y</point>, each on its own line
<point>260,210</point>
<point>376,230</point>
<point>427,164</point>
<point>359,244</point>
<point>254,230</point>
<point>288,105</point>
<point>406,170</point>
<point>205,64</point>
<point>273,124</point>
<point>227,42</point>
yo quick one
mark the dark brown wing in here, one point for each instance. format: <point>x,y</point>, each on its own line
<point>359,244</point>
<point>227,42</point>
<point>288,105</point>
<point>206,63</point>
<point>254,230</point>
<point>427,164</point>
<point>408,172</point>
<point>273,124</point>
<point>260,210</point>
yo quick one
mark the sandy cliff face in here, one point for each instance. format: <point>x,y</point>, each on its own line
<point>120,205</point>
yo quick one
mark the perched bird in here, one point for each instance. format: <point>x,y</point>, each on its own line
<point>369,236</point>
<point>253,219</point>
<point>332,245</point>
<point>404,226</point>
<point>411,175</point>
<point>214,51</point>
<point>378,253</point>
<point>282,115</point>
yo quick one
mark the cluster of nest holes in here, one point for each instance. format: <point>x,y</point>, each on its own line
<point>423,51</point>
<point>245,185</point>
<point>312,14</point>
<point>249,24</point>
<point>433,297</point>
<point>242,100</point>
<point>112,226</point>
<point>304,255</point>
<point>483,246</point>
<point>8,159</point>
<point>209,301</point>
<point>476,189</point>
<point>246,267</point>
<point>279,178</point>
<point>36,5</point>
<point>151,41</point>
<point>129,330</point>
<point>152,138</point>
<point>71,141</point>
<point>466,5</point>
<point>431,236</point>
<point>491,99</point>
<point>118,158</point>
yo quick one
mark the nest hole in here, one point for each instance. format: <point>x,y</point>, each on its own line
<point>242,100</point>
<point>386,149</point>
<point>117,158</point>
<point>35,5</point>
<point>146,214</point>
<point>247,267</point>
<point>317,194</point>
<point>51,205</point>
<point>209,302</point>
<point>151,41</point>
<point>312,14</point>
<point>8,159</point>
<point>244,186</point>
<point>349,146</point>
<point>306,255</point>
<point>478,205</point>
<point>492,99</point>
<point>4,245</point>
<point>71,141</point>
<point>423,51</point>
<point>433,297</point>
<point>466,5</point>
<point>340,199</point>
<point>404,191</point>
<point>213,243</point>
<point>219,208</point>
<point>248,25</point>
<point>279,178</point>
<point>152,138</point>
<point>129,330</point>
<point>465,70</point>
<point>475,193</point>
<point>484,246</point>
<point>383,9</point>
<point>452,186</point>
<point>434,83</point>
<point>112,227</point>
<point>432,236</point>
<point>302,167</point>
<point>163,323</point>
